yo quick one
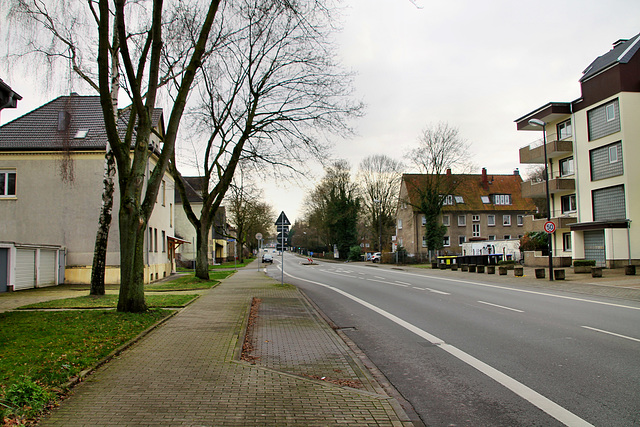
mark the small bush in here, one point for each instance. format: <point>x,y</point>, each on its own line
<point>584,263</point>
<point>354,253</point>
<point>25,398</point>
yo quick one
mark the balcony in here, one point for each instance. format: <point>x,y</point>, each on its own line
<point>534,152</point>
<point>556,185</point>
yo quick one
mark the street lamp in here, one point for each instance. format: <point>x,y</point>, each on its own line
<point>536,122</point>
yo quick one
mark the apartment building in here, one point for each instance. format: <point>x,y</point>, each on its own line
<point>591,144</point>
<point>484,207</point>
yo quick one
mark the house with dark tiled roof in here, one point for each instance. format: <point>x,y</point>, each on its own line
<point>8,97</point>
<point>590,146</point>
<point>483,207</point>
<point>221,246</point>
<point>53,160</point>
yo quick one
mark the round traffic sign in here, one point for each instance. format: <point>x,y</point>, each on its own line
<point>259,236</point>
<point>549,227</point>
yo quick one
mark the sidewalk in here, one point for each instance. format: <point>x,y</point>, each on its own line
<point>613,283</point>
<point>187,372</point>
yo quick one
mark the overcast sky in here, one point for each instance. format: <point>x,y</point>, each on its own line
<point>475,64</point>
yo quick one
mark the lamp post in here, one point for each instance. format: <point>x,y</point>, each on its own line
<point>536,122</point>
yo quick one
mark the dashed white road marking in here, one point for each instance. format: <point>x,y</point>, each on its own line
<point>612,333</point>
<point>501,306</point>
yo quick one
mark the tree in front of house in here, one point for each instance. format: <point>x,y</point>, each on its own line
<point>440,148</point>
<point>333,209</point>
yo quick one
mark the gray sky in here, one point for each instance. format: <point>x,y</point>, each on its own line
<point>476,64</point>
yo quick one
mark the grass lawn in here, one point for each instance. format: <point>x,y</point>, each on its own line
<point>190,282</point>
<point>111,301</point>
<point>52,347</point>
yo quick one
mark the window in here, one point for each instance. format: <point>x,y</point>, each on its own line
<point>506,220</point>
<point>606,161</point>
<point>507,236</point>
<point>150,239</point>
<point>502,199</point>
<point>568,203</point>
<point>475,230</point>
<point>424,241</point>
<point>462,220</point>
<point>462,239</point>
<point>520,220</point>
<point>491,220</point>
<point>446,241</point>
<point>7,183</point>
<point>566,166</point>
<point>459,199</point>
<point>446,220</point>
<point>155,240</point>
<point>564,129</point>
<point>367,245</point>
<point>164,192</point>
<point>613,154</point>
<point>164,241</point>
<point>399,224</point>
<point>424,220</point>
<point>485,199</point>
<point>603,120</point>
<point>475,218</point>
<point>566,242</point>
<point>611,112</point>
<point>492,237</point>
<point>447,200</point>
<point>170,215</point>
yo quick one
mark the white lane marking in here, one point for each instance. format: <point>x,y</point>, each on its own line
<point>501,306</point>
<point>435,291</point>
<point>402,283</point>
<point>522,290</point>
<point>612,333</point>
<point>532,396</point>
<point>420,289</point>
<point>381,278</point>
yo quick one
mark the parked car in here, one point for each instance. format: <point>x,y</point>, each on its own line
<point>267,258</point>
<point>376,257</point>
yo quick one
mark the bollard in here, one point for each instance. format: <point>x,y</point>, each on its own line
<point>480,268</point>
<point>540,273</point>
<point>454,267</point>
<point>491,269</point>
<point>558,274</point>
<point>502,270</point>
<point>596,271</point>
<point>464,267</point>
<point>518,271</point>
<point>472,268</point>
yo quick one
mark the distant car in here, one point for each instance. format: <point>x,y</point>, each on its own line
<point>376,257</point>
<point>267,258</point>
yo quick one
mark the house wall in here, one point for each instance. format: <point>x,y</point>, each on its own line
<point>161,225</point>
<point>185,230</point>
<point>48,210</point>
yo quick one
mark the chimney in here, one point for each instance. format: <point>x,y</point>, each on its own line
<point>449,172</point>
<point>64,119</point>
<point>485,181</point>
<point>516,172</point>
<point>619,42</point>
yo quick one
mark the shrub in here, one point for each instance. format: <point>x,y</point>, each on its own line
<point>534,241</point>
<point>354,253</point>
<point>26,398</point>
<point>584,263</point>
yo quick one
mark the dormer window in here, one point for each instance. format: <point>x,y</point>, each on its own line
<point>502,199</point>
<point>82,133</point>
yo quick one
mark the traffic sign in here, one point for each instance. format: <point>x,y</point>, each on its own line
<point>282,238</point>
<point>283,228</point>
<point>282,219</point>
<point>549,227</point>
<point>258,236</point>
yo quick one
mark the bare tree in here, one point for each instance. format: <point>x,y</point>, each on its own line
<point>249,213</point>
<point>379,177</point>
<point>270,86</point>
<point>439,149</point>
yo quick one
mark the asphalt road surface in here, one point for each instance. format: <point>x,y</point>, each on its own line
<point>466,352</point>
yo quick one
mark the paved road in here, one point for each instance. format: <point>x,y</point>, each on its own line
<point>466,350</point>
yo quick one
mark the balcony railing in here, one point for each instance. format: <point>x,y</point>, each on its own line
<point>556,185</point>
<point>534,152</point>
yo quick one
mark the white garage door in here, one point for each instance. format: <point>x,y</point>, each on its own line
<point>25,269</point>
<point>47,274</point>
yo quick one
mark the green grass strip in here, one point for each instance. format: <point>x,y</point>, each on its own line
<point>111,301</point>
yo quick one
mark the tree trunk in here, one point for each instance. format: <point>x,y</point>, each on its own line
<point>202,251</point>
<point>132,233</point>
<point>104,223</point>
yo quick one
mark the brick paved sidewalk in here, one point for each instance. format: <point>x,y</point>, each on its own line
<point>187,371</point>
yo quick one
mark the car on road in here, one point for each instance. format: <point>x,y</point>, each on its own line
<point>267,258</point>
<point>376,257</point>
